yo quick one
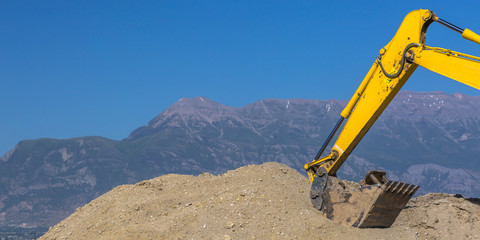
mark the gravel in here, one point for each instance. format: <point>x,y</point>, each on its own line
<point>268,201</point>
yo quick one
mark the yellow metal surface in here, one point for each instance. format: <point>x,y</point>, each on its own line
<point>378,93</point>
<point>348,109</point>
<point>378,89</point>
<point>470,35</point>
<point>458,66</point>
<point>311,176</point>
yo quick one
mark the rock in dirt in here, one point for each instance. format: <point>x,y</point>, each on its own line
<point>269,201</point>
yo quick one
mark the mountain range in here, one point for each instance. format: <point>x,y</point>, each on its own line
<point>430,139</point>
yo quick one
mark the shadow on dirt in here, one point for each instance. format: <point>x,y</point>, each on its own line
<point>472,200</point>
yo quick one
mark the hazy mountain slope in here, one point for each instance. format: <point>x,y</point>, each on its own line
<point>431,139</point>
<point>45,179</point>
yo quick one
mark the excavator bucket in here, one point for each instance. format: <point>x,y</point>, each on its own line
<point>374,202</point>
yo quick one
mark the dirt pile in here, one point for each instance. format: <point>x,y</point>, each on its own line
<point>269,201</point>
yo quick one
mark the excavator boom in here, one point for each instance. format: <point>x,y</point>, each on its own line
<point>382,199</point>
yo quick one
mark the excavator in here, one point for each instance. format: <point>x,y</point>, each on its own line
<point>376,201</point>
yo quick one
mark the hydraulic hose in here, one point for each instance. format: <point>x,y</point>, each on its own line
<point>402,62</point>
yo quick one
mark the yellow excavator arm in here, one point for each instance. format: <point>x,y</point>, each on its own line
<point>392,68</point>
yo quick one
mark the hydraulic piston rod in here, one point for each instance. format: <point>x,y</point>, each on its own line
<point>466,33</point>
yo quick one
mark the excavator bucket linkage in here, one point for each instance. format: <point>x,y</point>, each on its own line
<point>374,202</point>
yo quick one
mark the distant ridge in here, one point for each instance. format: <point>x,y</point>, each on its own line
<point>430,139</point>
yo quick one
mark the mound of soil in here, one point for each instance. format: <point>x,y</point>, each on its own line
<point>269,201</point>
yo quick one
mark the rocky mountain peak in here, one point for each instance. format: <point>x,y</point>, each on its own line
<point>185,111</point>
<point>187,104</point>
<point>191,108</point>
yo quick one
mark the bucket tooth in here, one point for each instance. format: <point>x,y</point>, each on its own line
<point>392,186</point>
<point>402,189</point>
<point>410,194</point>
<point>408,189</point>
<point>399,185</point>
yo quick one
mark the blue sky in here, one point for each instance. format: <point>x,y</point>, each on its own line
<point>81,68</point>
